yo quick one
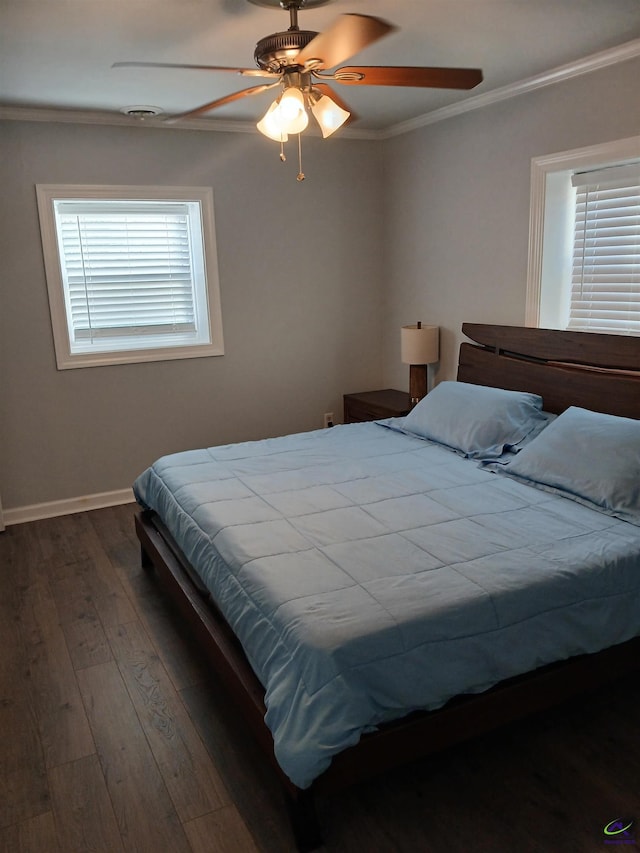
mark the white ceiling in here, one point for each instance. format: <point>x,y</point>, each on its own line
<point>57,54</point>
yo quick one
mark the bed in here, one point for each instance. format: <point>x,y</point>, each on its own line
<point>376,591</point>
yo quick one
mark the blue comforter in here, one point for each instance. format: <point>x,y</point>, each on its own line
<point>369,573</point>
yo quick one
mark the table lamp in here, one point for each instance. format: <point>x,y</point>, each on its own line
<point>419,347</point>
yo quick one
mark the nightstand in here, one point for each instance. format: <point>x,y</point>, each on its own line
<point>375,405</point>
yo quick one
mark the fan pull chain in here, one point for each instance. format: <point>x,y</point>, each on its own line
<point>283,157</point>
<point>300,176</point>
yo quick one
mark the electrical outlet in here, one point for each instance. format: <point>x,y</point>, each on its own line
<point>328,419</point>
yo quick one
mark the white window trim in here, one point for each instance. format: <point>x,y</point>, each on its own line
<point>543,171</point>
<point>65,359</point>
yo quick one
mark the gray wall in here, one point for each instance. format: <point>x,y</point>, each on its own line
<point>300,273</point>
<point>316,278</point>
<point>457,199</point>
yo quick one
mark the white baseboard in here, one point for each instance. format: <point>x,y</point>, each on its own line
<point>51,509</point>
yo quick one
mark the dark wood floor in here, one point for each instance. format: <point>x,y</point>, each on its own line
<point>114,736</point>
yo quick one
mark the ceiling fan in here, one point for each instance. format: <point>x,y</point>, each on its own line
<point>297,60</point>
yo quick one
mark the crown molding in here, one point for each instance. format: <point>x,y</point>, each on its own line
<point>594,62</point>
<point>117,119</point>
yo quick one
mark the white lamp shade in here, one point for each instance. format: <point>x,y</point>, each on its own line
<point>420,345</point>
<point>270,126</point>
<point>329,115</point>
<point>292,115</point>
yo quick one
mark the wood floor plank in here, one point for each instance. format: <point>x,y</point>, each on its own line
<point>115,532</point>
<point>115,608</point>
<point>45,672</point>
<point>71,594</point>
<point>82,558</point>
<point>49,533</point>
<point>254,790</point>
<point>84,815</point>
<point>38,834</point>
<point>62,544</point>
<point>144,811</point>
<point>87,642</point>
<point>22,563</point>
<point>9,838</point>
<point>23,785</point>
<point>76,598</point>
<point>190,776</point>
<point>53,689</point>
<point>223,831</point>
<point>13,660</point>
<point>115,529</point>
<point>171,636</point>
<point>24,791</point>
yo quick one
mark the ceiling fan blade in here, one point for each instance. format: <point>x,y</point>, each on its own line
<point>335,97</point>
<point>437,78</point>
<point>246,72</point>
<point>220,102</point>
<point>345,37</point>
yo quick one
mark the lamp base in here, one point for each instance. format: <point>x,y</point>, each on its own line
<point>417,382</point>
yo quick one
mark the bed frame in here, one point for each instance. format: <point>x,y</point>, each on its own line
<point>599,372</point>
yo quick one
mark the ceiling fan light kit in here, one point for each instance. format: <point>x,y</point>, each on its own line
<point>298,61</point>
<point>288,114</point>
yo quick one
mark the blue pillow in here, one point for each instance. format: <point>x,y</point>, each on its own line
<point>589,457</point>
<point>476,420</point>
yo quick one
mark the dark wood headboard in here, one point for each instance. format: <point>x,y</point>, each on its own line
<point>598,372</point>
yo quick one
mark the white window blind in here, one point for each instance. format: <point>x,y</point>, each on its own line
<point>128,269</point>
<point>605,285</point>
<point>131,273</point>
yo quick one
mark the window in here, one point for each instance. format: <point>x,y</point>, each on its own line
<point>584,247</point>
<point>605,281</point>
<point>131,273</point>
